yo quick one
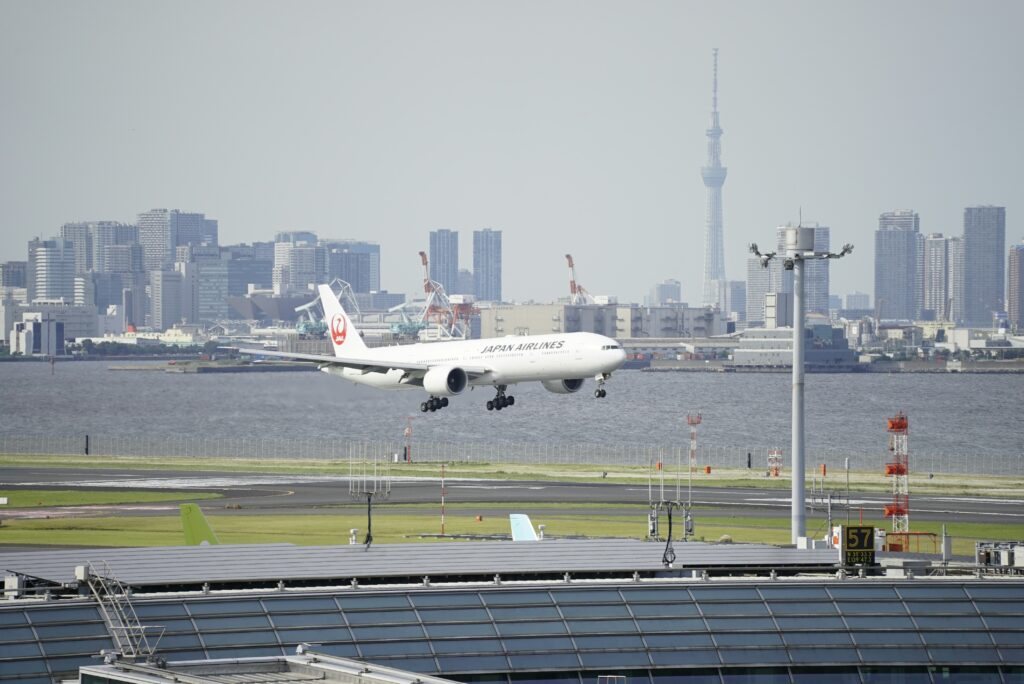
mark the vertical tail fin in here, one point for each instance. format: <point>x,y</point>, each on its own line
<point>344,337</point>
<point>522,528</point>
<point>197,530</point>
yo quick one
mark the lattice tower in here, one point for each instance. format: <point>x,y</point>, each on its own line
<point>898,468</point>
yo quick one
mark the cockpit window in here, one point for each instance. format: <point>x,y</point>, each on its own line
<point>611,346</point>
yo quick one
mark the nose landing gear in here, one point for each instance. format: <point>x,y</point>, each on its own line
<point>434,404</point>
<point>500,401</point>
<point>600,392</point>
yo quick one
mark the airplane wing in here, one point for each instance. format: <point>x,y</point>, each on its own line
<point>366,365</point>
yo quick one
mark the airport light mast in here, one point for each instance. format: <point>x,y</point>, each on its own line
<point>799,246</point>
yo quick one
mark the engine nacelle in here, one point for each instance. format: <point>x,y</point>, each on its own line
<point>563,386</point>
<point>445,381</point>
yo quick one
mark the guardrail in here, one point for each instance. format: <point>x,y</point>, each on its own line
<point>605,453</point>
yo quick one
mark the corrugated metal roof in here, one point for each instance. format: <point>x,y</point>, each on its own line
<point>261,563</point>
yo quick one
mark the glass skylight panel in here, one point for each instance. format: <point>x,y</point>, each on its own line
<point>812,623</point>
<point>748,639</point>
<point>600,626</point>
<point>684,658</point>
<point>201,607</point>
<point>897,654</point>
<point>995,591</point>
<point>515,598</point>
<point>238,638</point>
<point>524,612</point>
<point>931,591</point>
<point>466,646</point>
<point>377,617</point>
<point>657,594</point>
<point>51,615</point>
<point>549,643</point>
<point>702,594</point>
<point>307,619</point>
<point>378,602</point>
<point>590,610</point>
<point>617,659</point>
<point>939,607</point>
<point>734,608</point>
<point>470,629</point>
<point>976,654</point>
<point>237,622</point>
<point>84,646</point>
<point>880,622</point>
<point>664,609</point>
<point>387,632</point>
<point>884,637</point>
<point>864,592</point>
<point>672,625</point>
<point>677,641</point>
<point>740,624</point>
<point>472,663</point>
<point>303,605</point>
<point>313,635</point>
<point>587,596</point>
<point>23,649</point>
<point>794,593</point>
<point>609,641</point>
<point>753,656</point>
<point>432,600</point>
<point>530,628</point>
<point>815,638</point>
<point>453,614</point>
<point>871,608</point>
<point>12,617</point>
<point>800,607</point>
<point>372,649</point>
<point>546,661</point>
<point>824,655</point>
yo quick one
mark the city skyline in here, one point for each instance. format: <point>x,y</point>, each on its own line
<point>588,137</point>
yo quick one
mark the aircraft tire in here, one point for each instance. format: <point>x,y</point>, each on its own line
<point>511,401</point>
<point>497,405</point>
<point>444,402</point>
<point>423,407</point>
<point>490,405</point>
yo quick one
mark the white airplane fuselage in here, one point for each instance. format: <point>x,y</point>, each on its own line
<point>510,359</point>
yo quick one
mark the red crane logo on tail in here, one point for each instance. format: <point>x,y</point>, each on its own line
<point>339,329</point>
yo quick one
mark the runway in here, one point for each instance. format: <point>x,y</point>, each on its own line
<point>254,493</point>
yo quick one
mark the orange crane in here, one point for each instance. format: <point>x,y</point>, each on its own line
<point>577,294</point>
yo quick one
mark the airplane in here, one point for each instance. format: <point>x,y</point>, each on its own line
<point>560,362</point>
<point>522,528</point>
<point>195,526</point>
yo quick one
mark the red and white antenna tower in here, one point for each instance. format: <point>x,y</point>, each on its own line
<point>577,295</point>
<point>693,420</point>
<point>898,468</point>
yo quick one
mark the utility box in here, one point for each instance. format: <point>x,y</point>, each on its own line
<point>799,239</point>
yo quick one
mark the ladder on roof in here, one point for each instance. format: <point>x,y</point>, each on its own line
<point>131,637</point>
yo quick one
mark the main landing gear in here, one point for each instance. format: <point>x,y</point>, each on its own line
<point>600,392</point>
<point>501,401</point>
<point>434,404</point>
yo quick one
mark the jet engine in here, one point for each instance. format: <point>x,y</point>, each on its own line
<point>445,381</point>
<point>563,386</point>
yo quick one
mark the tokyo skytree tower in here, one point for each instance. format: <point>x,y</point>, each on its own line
<point>714,178</point>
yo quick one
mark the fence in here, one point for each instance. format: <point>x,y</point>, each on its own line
<point>339,449</point>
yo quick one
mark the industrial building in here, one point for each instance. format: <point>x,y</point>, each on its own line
<point>501,612</point>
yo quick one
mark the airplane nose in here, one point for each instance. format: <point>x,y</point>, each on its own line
<point>620,354</point>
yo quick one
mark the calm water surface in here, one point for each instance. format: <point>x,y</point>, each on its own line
<point>948,413</point>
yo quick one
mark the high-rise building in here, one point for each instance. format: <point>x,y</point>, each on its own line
<point>299,262</point>
<point>12,273</point>
<point>758,285</point>
<point>165,297</point>
<point>858,300</point>
<point>668,292</point>
<point>352,267</point>
<point>162,230</point>
<point>115,247</point>
<point>942,278</point>
<point>1015,287</point>
<point>51,270</point>
<point>955,279</point>
<point>444,258</point>
<point>713,174</point>
<point>898,247</point>
<point>487,264</point>
<point>735,300</point>
<point>80,236</point>
<point>465,283</point>
<point>372,259</point>
<point>984,263</point>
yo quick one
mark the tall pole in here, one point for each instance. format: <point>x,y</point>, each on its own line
<point>797,526</point>
<point>799,247</point>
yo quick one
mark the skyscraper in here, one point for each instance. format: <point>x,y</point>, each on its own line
<point>371,249</point>
<point>668,292</point>
<point>487,264</point>
<point>165,296</point>
<point>444,258</point>
<point>942,278</point>
<point>80,236</point>
<point>161,230</point>
<point>984,263</point>
<point>758,285</point>
<point>897,245</point>
<point>51,270</point>
<point>714,178</point>
<point>1015,287</point>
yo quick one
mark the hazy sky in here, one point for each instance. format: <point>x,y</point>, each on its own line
<point>571,126</point>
